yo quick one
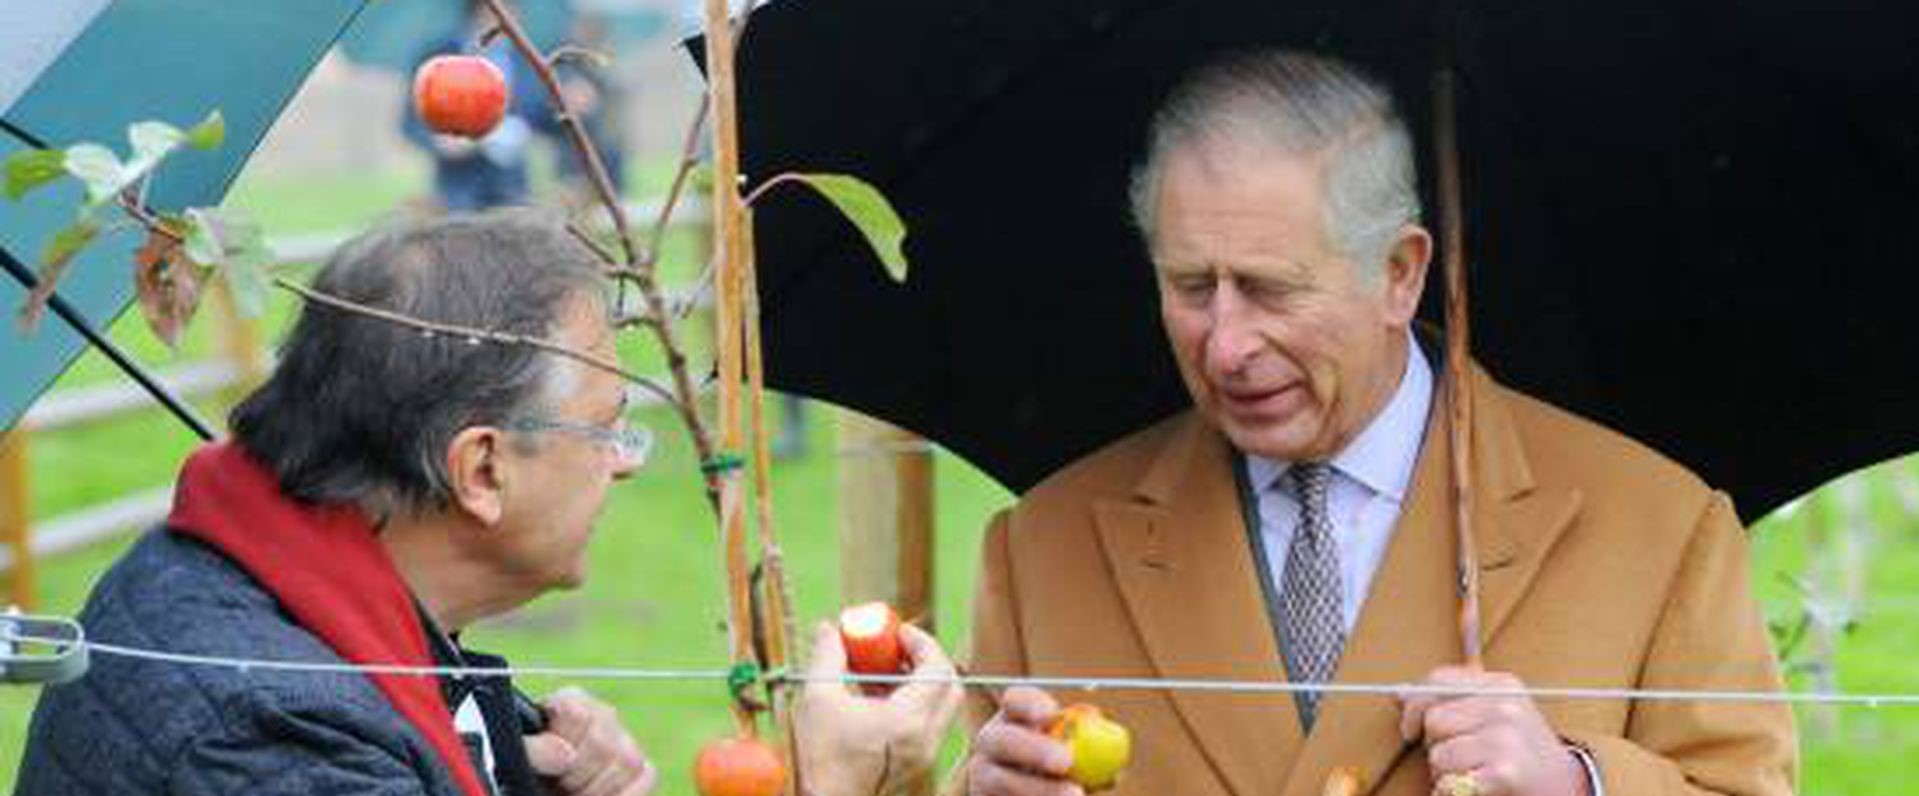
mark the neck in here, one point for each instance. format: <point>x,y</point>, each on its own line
<point>453,587</point>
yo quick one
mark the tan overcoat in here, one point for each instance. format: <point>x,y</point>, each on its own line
<point>1602,565</point>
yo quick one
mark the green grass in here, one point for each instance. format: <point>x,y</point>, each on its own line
<point>654,596</point>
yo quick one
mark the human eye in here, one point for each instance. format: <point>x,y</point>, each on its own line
<point>1191,288</point>
<point>1268,292</point>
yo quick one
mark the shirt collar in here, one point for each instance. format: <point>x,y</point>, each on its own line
<point>1383,455</point>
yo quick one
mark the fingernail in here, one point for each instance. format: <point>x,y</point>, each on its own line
<point>1062,759</point>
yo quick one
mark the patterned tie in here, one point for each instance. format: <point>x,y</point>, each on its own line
<point>1314,629</point>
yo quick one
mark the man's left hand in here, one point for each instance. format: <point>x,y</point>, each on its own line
<point>1501,744</point>
<point>586,752</point>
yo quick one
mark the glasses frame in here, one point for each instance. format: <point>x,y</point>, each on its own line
<point>632,442</point>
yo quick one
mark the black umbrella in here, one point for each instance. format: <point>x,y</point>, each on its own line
<point>1692,221</point>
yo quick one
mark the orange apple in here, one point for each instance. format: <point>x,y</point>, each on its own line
<point>871,634</point>
<point>738,767</point>
<point>463,95</point>
<point>1101,747</point>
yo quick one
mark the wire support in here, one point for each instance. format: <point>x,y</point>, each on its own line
<point>1870,700</point>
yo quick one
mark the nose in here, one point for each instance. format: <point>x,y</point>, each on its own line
<point>1231,340</point>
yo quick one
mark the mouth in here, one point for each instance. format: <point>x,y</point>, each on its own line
<point>1264,402</point>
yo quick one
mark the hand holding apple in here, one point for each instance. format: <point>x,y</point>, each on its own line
<point>1101,747</point>
<point>853,744</point>
<point>1013,755</point>
<point>461,95</point>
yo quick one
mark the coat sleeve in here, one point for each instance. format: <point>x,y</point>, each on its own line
<point>995,648</point>
<point>1710,637</point>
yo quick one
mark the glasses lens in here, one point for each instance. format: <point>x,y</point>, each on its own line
<point>634,443</point>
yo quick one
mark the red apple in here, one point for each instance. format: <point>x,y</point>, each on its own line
<point>462,95</point>
<point>738,767</point>
<point>871,633</point>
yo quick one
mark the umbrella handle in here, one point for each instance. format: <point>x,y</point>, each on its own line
<point>1458,355</point>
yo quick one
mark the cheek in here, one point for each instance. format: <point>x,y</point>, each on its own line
<point>1186,331</point>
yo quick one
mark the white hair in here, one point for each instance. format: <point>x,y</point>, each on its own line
<point>1302,105</point>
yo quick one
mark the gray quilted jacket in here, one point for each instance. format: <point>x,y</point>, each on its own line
<point>134,727</point>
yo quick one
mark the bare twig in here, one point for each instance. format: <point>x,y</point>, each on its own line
<point>778,179</point>
<point>685,400</point>
<point>474,335</point>
<point>586,239</point>
<point>574,52</point>
<point>575,130</point>
<point>689,160</point>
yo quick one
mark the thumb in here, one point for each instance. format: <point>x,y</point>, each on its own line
<point>829,653</point>
<point>549,754</point>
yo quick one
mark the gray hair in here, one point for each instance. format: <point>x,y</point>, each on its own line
<point>1304,105</point>
<point>360,411</point>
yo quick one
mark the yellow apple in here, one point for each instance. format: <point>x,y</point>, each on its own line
<point>1101,747</point>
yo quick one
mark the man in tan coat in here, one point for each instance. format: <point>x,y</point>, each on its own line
<point>1296,525</point>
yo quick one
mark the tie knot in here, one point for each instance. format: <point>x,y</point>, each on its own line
<point>1310,478</point>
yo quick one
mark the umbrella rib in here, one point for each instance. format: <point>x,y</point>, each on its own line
<point>25,137</point>
<point>106,346</point>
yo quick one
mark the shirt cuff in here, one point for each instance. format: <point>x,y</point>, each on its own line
<point>1594,784</point>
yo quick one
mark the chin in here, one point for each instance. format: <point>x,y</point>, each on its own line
<point>1280,442</point>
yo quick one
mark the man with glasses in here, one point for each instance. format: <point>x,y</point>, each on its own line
<point>383,490</point>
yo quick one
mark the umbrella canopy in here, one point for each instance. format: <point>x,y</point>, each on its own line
<point>393,35</point>
<point>1692,222</point>
<point>83,70</point>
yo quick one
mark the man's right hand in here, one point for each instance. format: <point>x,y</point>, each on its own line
<point>1012,754</point>
<point>585,750</point>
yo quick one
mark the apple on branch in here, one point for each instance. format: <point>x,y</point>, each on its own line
<point>738,767</point>
<point>460,95</point>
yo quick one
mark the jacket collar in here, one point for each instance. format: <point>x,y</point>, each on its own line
<point>1180,553</point>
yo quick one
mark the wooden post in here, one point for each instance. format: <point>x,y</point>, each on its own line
<point>15,515</point>
<point>886,517</point>
<point>886,524</point>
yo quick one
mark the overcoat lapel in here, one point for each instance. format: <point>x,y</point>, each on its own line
<point>1179,553</point>
<point>1409,624</point>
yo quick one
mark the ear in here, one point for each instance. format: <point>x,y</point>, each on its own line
<point>476,473</point>
<point>1406,273</point>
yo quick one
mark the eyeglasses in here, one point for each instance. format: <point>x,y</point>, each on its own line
<point>631,442</point>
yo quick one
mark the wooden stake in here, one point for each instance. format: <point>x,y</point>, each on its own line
<point>729,278</point>
<point>16,527</point>
<point>1458,363</point>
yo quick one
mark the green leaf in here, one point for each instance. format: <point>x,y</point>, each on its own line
<point>152,143</point>
<point>28,169</point>
<point>863,205</point>
<point>153,140</point>
<point>202,239</point>
<point>99,168</point>
<point>236,247</point>
<point>210,133</point>
<point>53,264</point>
<point>249,279</point>
<point>68,242</point>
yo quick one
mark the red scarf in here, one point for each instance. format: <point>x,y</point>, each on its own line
<point>329,570</point>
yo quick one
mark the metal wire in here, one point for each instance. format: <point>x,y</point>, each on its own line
<point>990,681</point>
